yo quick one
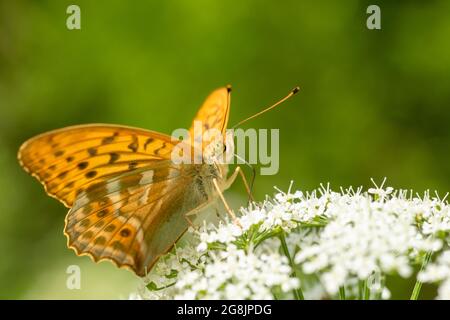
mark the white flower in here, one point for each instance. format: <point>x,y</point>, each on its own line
<point>337,239</point>
<point>385,294</point>
<point>444,290</point>
<point>379,192</point>
<point>364,237</point>
<point>202,247</point>
<point>236,274</point>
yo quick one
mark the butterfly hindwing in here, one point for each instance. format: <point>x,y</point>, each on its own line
<point>69,160</point>
<point>134,218</point>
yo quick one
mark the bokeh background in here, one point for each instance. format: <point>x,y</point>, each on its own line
<point>374,103</point>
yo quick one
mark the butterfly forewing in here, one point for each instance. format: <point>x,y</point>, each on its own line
<point>69,160</point>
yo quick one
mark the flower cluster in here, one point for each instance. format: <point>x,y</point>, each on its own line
<point>319,244</point>
<point>231,273</point>
<point>366,237</point>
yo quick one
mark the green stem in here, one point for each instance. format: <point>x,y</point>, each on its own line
<point>298,294</point>
<point>342,293</point>
<point>363,290</point>
<point>366,290</point>
<point>418,286</point>
<point>360,289</point>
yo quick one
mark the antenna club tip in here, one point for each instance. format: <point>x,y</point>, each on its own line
<point>295,90</point>
<point>228,87</point>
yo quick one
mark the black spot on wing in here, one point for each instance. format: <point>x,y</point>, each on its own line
<point>92,151</point>
<point>83,165</point>
<point>102,213</point>
<point>108,140</point>
<point>70,185</point>
<point>113,157</point>
<point>110,228</point>
<point>133,146</point>
<point>132,165</point>
<point>157,151</point>
<point>117,245</point>
<point>91,174</point>
<point>63,174</point>
<point>147,142</point>
<point>59,153</point>
<point>88,235</point>
<point>85,222</point>
<point>100,240</point>
<point>125,232</point>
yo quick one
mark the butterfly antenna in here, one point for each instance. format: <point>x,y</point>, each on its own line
<point>293,92</point>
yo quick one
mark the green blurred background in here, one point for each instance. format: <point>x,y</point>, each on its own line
<point>374,103</point>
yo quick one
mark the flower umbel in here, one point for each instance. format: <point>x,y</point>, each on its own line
<point>319,244</point>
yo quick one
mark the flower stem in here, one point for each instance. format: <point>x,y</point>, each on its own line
<point>298,294</point>
<point>418,285</point>
<point>363,290</point>
<point>342,293</point>
<point>366,290</point>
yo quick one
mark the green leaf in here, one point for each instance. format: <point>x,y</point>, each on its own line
<point>152,286</point>
<point>173,274</point>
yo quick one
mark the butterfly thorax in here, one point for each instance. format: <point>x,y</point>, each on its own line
<point>204,175</point>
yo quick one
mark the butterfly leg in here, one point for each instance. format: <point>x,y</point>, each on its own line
<point>227,207</point>
<point>198,209</point>
<point>232,178</point>
<point>190,222</point>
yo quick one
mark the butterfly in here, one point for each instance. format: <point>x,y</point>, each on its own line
<point>128,201</point>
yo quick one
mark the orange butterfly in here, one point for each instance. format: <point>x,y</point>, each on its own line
<point>129,202</point>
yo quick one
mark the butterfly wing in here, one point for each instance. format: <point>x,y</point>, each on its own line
<point>70,160</point>
<point>212,114</point>
<point>134,218</point>
<point>127,198</point>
